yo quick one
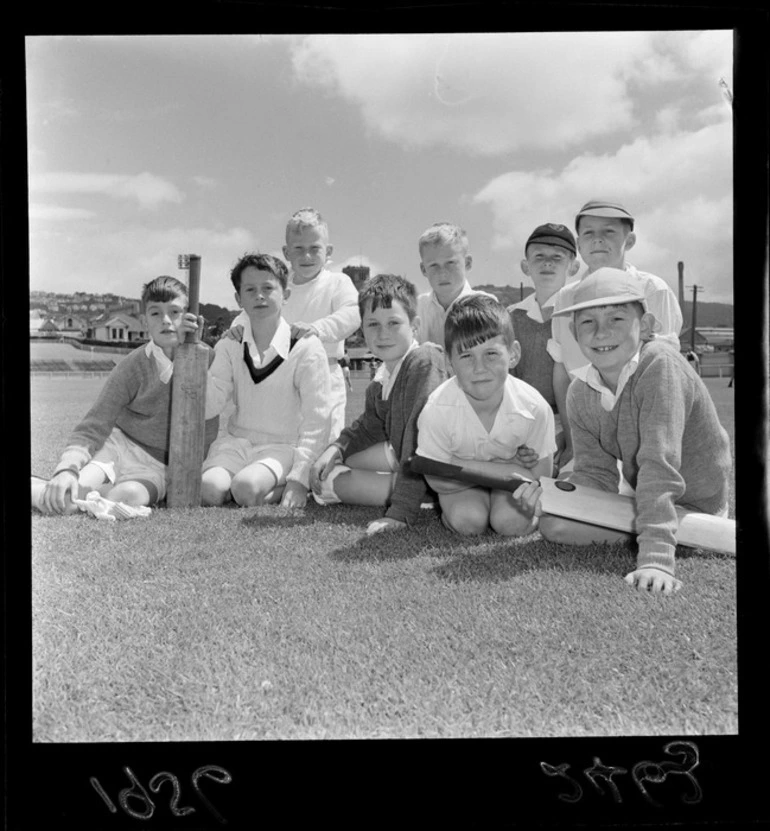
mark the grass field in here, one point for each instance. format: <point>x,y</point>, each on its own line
<point>226,624</point>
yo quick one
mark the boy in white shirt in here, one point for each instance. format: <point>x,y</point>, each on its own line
<point>445,261</point>
<point>478,418</point>
<point>281,389</point>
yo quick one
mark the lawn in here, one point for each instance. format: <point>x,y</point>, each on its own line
<point>227,624</point>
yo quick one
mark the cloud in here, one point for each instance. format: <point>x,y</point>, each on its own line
<point>493,93</point>
<point>148,190</point>
<point>58,213</point>
<point>678,185</point>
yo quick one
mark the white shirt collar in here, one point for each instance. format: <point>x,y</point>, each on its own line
<point>387,378</point>
<point>307,282</point>
<point>164,363</point>
<point>279,343</point>
<point>594,380</point>
<point>466,289</point>
<point>533,309</point>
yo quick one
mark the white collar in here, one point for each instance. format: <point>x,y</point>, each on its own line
<point>164,363</point>
<point>387,378</point>
<point>466,289</point>
<point>533,308</point>
<point>594,380</point>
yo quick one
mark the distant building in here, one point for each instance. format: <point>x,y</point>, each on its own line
<point>359,274</point>
<point>708,338</point>
<point>72,325</point>
<point>118,328</point>
<point>42,327</point>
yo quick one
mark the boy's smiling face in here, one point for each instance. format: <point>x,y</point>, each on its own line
<point>163,320</point>
<point>261,295</point>
<point>609,336</point>
<point>445,265</point>
<point>307,250</point>
<point>482,370</point>
<point>388,332</point>
<point>603,241</point>
<point>548,266</point>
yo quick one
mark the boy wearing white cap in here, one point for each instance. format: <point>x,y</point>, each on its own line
<point>605,232</point>
<point>641,404</point>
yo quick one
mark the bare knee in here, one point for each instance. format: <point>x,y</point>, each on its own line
<point>509,523</point>
<point>557,529</point>
<point>464,520</point>
<point>132,493</point>
<point>213,495</point>
<point>247,493</point>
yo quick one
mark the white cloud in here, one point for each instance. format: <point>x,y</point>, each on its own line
<point>491,93</point>
<point>58,213</point>
<point>148,190</point>
<point>678,186</point>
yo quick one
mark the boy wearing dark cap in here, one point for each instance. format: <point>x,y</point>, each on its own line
<point>641,407</point>
<point>550,259</point>
<point>605,232</point>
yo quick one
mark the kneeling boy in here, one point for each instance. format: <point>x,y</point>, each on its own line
<point>281,390</point>
<point>479,418</point>
<point>120,448</point>
<point>365,465</point>
<point>643,404</point>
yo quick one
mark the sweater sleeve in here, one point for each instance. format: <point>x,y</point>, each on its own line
<point>367,430</point>
<point>313,382</point>
<point>220,379</point>
<point>89,435</point>
<point>423,374</point>
<point>662,395</point>
<point>344,318</point>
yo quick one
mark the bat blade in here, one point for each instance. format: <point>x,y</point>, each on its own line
<point>612,510</point>
<point>188,409</point>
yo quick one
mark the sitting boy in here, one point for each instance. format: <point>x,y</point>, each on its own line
<point>445,261</point>
<point>643,405</point>
<point>479,417</point>
<point>120,448</point>
<point>280,387</point>
<point>364,466</point>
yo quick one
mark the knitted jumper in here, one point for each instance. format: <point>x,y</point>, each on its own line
<point>535,365</point>
<point>134,399</point>
<point>395,420</point>
<point>665,430</point>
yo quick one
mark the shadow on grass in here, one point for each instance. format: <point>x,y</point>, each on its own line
<point>274,516</point>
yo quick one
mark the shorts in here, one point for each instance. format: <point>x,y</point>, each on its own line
<point>234,454</point>
<point>328,495</point>
<point>123,460</point>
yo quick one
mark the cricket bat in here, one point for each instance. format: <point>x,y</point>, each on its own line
<point>584,504</point>
<point>188,409</point>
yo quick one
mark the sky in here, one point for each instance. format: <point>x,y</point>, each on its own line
<point>141,148</point>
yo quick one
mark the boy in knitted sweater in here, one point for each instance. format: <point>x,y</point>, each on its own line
<point>364,466</point>
<point>280,386</point>
<point>120,448</point>
<point>643,405</point>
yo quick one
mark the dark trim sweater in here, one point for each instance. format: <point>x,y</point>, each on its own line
<point>395,420</point>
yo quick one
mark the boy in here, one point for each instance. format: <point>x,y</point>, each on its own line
<point>605,232</point>
<point>550,258</point>
<point>374,448</point>
<point>120,448</point>
<point>479,418</point>
<point>280,387</point>
<point>640,404</point>
<point>321,302</point>
<point>445,261</point>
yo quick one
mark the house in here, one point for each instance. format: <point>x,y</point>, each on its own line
<point>708,338</point>
<point>72,326</point>
<point>118,328</point>
<point>42,327</point>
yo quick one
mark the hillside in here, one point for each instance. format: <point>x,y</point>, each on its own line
<point>709,314</point>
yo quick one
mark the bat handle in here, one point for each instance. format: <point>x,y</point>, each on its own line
<point>193,292</point>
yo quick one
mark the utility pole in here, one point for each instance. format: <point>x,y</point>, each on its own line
<point>695,290</point>
<point>521,291</point>
<point>680,269</point>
